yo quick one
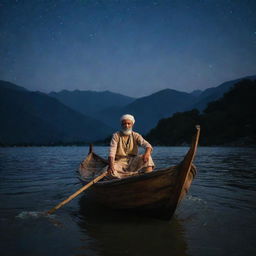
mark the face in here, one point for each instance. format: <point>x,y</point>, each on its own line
<point>126,124</point>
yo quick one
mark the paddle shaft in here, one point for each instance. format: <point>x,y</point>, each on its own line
<point>77,193</point>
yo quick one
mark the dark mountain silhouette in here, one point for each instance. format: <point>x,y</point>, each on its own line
<point>196,93</point>
<point>34,118</point>
<point>91,102</point>
<point>231,119</point>
<point>40,115</point>
<point>214,93</point>
<point>8,85</point>
<point>228,121</point>
<point>108,107</point>
<point>148,110</point>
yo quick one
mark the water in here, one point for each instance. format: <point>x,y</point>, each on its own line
<point>218,216</point>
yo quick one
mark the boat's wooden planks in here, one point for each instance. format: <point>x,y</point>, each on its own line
<point>136,193</point>
<point>158,192</point>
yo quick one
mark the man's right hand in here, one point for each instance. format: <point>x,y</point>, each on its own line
<point>111,171</point>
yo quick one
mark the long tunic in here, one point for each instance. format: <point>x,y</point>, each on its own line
<point>124,149</point>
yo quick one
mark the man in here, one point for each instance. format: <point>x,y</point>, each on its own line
<point>123,158</point>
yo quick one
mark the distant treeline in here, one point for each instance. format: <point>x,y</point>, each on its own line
<point>231,121</point>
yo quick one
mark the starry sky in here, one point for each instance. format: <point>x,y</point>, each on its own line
<point>132,47</point>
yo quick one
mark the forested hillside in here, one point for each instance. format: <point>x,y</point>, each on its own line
<point>231,120</point>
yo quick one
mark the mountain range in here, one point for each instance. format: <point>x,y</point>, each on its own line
<point>35,118</point>
<point>91,102</point>
<point>147,110</point>
<point>214,93</point>
<point>228,121</point>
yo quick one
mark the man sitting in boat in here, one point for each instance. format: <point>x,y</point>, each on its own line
<point>123,158</point>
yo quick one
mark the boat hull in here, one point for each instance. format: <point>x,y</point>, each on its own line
<point>156,193</point>
<point>151,193</point>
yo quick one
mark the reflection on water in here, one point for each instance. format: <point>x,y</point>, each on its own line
<point>218,217</point>
<point>120,233</point>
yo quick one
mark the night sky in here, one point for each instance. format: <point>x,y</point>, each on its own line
<point>131,47</point>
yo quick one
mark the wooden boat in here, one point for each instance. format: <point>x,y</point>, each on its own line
<point>157,193</point>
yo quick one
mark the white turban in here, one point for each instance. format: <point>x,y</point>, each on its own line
<point>129,117</point>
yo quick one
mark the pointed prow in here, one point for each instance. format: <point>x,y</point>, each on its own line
<point>90,149</point>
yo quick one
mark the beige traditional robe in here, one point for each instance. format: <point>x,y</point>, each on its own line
<point>124,149</point>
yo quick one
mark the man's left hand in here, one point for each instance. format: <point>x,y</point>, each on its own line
<point>145,157</point>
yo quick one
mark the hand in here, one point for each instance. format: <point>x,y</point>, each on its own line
<point>145,157</point>
<point>111,168</point>
<point>111,171</point>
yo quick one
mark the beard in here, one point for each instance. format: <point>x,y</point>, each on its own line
<point>126,131</point>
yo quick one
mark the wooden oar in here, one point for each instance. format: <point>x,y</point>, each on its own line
<point>77,193</point>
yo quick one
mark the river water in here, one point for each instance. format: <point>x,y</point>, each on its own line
<point>217,217</point>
